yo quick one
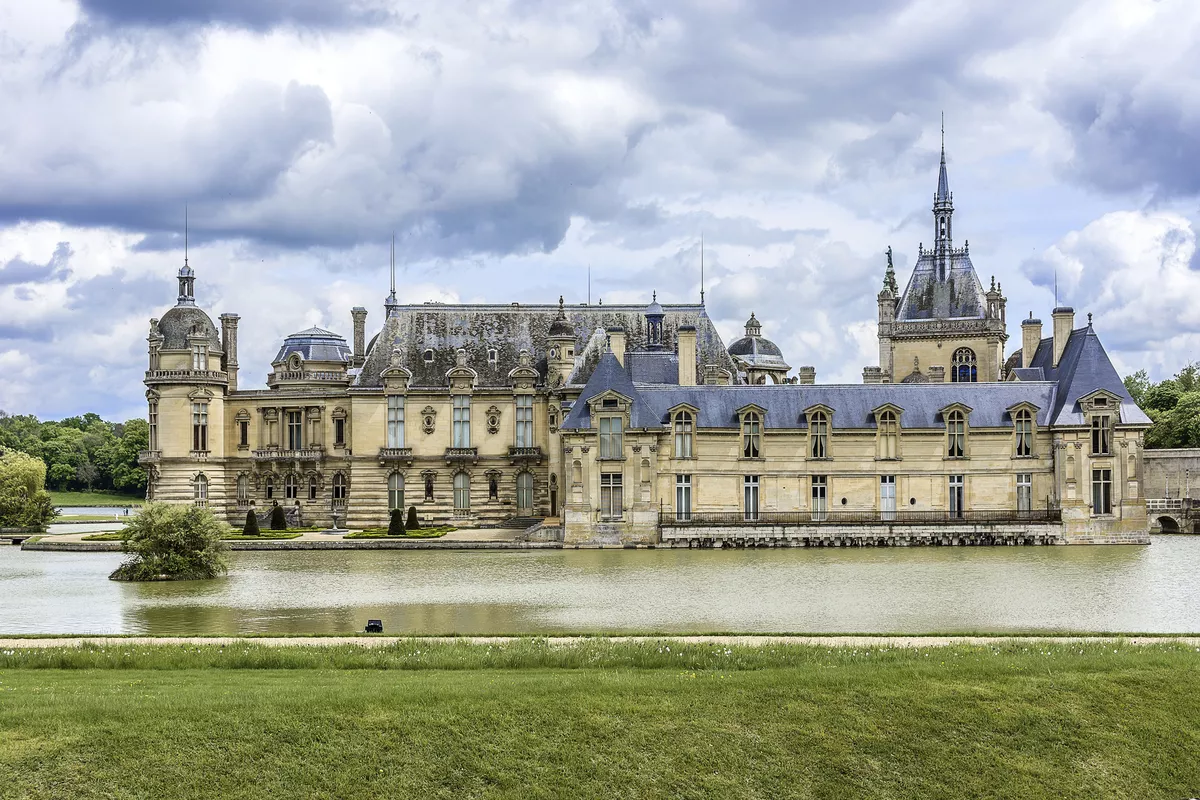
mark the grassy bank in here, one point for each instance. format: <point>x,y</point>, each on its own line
<point>598,719</point>
<point>416,533</point>
<point>105,499</point>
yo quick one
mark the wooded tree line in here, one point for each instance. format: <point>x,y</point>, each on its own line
<point>81,452</point>
<point>1173,405</point>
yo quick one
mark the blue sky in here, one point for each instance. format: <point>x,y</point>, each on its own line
<point>511,145</point>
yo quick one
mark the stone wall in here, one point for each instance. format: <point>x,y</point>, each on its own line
<point>1171,473</point>
<point>881,535</point>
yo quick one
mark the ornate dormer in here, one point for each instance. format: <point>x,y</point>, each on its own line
<point>654,324</point>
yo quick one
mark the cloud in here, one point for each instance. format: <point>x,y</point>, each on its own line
<point>260,15</point>
<point>20,271</point>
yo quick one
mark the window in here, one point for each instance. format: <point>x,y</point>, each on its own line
<point>525,493</point>
<point>312,487</point>
<point>683,497</point>
<point>462,420</point>
<point>1024,432</point>
<point>956,496</point>
<point>493,355</point>
<point>395,491</point>
<point>1024,491</point>
<point>820,499</point>
<point>963,368</point>
<point>153,419</point>
<point>611,445</point>
<point>1101,491</point>
<point>429,487</point>
<point>243,490</point>
<point>291,487</point>
<point>1101,435</point>
<point>339,489</point>
<point>750,498</point>
<point>752,437</point>
<point>683,434</point>
<point>200,491</point>
<point>956,435</point>
<point>200,356</point>
<point>395,420</point>
<point>200,427</point>
<point>243,433</point>
<point>524,420</point>
<point>428,356</point>
<point>889,433</point>
<point>270,488</point>
<point>339,432</point>
<point>462,493</point>
<point>295,430</point>
<point>887,497</point>
<point>611,502</point>
<point>818,435</point>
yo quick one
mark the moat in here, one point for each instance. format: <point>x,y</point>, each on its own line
<point>902,590</point>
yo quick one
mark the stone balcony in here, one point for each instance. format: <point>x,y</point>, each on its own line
<point>459,455</point>
<point>307,376</point>
<point>525,455</point>
<point>275,454</point>
<point>157,376</point>
<point>149,456</point>
<point>395,455</point>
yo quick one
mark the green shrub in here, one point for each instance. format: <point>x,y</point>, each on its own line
<point>396,523</point>
<point>278,518</point>
<point>413,523</point>
<point>24,502</point>
<point>172,542</point>
<point>251,527</point>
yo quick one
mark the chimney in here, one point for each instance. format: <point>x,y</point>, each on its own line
<point>616,344</point>
<point>807,375</point>
<point>872,375</point>
<point>229,323</point>
<point>686,342</point>
<point>360,334</point>
<point>1031,337</point>
<point>937,374</point>
<point>1064,321</point>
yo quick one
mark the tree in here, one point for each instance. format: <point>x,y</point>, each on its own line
<point>278,518</point>
<point>87,473</point>
<point>396,523</point>
<point>24,502</point>
<point>1137,384</point>
<point>172,542</point>
<point>413,523</point>
<point>251,527</point>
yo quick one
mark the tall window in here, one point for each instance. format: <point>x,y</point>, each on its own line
<point>339,431</point>
<point>291,487</point>
<point>963,368</point>
<point>750,498</point>
<point>683,497</point>
<point>395,491</point>
<point>1102,491</point>
<point>200,427</point>
<point>887,497</point>
<point>462,420</point>
<point>1024,491</point>
<point>752,437</point>
<point>956,435</point>
<point>525,492</point>
<point>611,502</point>
<point>820,498</point>
<point>312,487</point>
<point>153,419</point>
<point>818,435</point>
<point>295,430</point>
<point>524,420</point>
<point>339,489</point>
<point>956,496</point>
<point>270,487</point>
<point>683,434</point>
<point>611,445</point>
<point>462,493</point>
<point>1024,431</point>
<point>199,356</point>
<point>395,420</point>
<point>243,433</point>
<point>243,490</point>
<point>200,491</point>
<point>1101,435</point>
<point>889,433</point>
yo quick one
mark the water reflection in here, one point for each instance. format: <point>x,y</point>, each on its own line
<point>1008,589</point>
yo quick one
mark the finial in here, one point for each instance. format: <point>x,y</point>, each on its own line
<point>993,283</point>
<point>943,135</point>
<point>653,296</point>
<point>185,234</point>
<point>560,304</point>
<point>1089,319</point>
<point>701,267</point>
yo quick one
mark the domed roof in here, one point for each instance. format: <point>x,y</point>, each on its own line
<point>654,309</point>
<point>561,326</point>
<point>183,320</point>
<point>755,350</point>
<point>315,344</point>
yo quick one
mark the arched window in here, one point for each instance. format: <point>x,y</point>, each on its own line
<point>312,487</point>
<point>1024,432</point>
<point>818,435</point>
<point>525,493</point>
<point>291,487</point>
<point>339,489</point>
<point>963,370</point>
<point>462,493</point>
<point>683,434</point>
<point>751,435</point>
<point>889,435</point>
<point>395,491</point>
<point>200,491</point>
<point>243,489</point>
<point>956,435</point>
<point>270,484</point>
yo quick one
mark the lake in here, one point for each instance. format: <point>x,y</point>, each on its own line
<point>878,590</point>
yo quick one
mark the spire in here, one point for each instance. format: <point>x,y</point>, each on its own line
<point>701,267</point>
<point>187,276</point>
<point>943,190</point>
<point>391,305</point>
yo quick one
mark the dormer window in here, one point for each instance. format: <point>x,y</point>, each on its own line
<point>428,356</point>
<point>493,356</point>
<point>751,435</point>
<point>1101,433</point>
<point>889,435</point>
<point>818,435</point>
<point>1023,430</point>
<point>199,356</point>
<point>609,402</point>
<point>611,433</point>
<point>683,434</point>
<point>956,435</point>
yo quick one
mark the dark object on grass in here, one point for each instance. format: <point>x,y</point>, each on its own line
<point>396,523</point>
<point>251,528</point>
<point>374,626</point>
<point>278,519</point>
<point>413,523</point>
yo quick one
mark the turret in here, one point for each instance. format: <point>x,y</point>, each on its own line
<point>560,353</point>
<point>654,324</point>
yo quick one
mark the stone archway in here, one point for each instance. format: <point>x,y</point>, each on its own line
<point>1167,524</point>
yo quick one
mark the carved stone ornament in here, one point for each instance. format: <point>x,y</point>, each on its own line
<point>460,358</point>
<point>493,420</point>
<point>637,448</point>
<point>396,361</point>
<point>428,418</point>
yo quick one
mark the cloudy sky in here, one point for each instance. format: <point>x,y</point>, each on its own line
<point>511,144</point>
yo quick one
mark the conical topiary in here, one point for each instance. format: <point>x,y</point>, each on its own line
<point>251,528</point>
<point>412,524</point>
<point>278,519</point>
<point>396,523</point>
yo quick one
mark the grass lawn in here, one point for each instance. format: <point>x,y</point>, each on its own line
<point>382,533</point>
<point>266,535</point>
<point>97,498</point>
<point>600,720</point>
<point>108,536</point>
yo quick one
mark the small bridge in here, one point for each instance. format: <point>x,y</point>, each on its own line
<point>1173,515</point>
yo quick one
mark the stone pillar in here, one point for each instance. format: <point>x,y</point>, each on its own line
<point>229,326</point>
<point>807,375</point>
<point>872,375</point>
<point>1064,321</point>
<point>616,343</point>
<point>937,374</point>
<point>360,335</point>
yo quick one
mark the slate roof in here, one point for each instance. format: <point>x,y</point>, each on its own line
<point>960,295</point>
<point>315,344</point>
<point>652,366</point>
<point>177,324</point>
<point>611,376</point>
